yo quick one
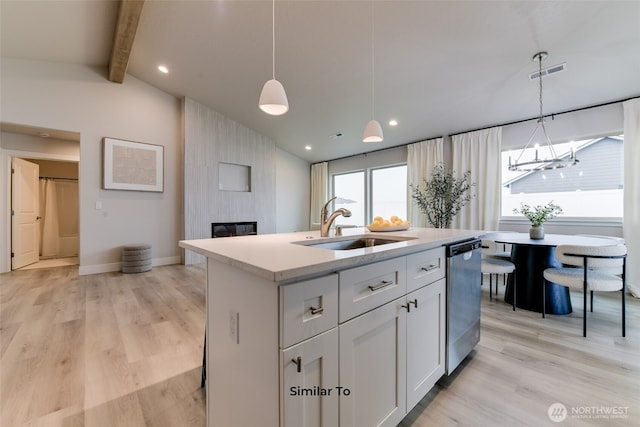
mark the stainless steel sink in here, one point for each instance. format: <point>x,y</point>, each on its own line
<point>353,242</point>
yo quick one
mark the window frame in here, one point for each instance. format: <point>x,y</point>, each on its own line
<point>563,219</point>
<point>332,187</point>
<point>368,186</point>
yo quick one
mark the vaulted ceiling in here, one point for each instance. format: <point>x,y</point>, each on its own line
<point>440,66</point>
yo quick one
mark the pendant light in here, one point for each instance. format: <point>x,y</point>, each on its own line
<point>273,99</point>
<point>373,130</point>
<point>553,161</point>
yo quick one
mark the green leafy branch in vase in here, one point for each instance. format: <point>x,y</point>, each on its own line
<point>538,215</point>
<point>442,196</point>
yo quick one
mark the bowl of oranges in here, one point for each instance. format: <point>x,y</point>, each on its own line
<point>394,223</point>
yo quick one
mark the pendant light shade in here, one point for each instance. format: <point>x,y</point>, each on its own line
<point>273,99</point>
<point>372,132</point>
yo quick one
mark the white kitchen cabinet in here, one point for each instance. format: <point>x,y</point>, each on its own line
<point>365,352</point>
<point>373,367</point>
<point>392,356</point>
<point>369,286</point>
<point>425,267</point>
<point>426,330</point>
<point>387,386</point>
<point>309,392</point>
<point>308,308</point>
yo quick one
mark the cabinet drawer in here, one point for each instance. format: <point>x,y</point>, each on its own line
<point>307,309</point>
<point>370,286</point>
<point>425,267</point>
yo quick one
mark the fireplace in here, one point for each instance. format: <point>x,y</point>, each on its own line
<point>229,229</point>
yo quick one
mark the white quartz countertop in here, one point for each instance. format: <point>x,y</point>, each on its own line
<point>277,258</point>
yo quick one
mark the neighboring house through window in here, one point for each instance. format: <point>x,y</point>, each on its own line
<point>593,188</point>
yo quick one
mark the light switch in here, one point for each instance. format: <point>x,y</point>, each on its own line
<point>98,205</point>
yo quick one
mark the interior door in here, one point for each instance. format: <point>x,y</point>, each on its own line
<point>25,211</point>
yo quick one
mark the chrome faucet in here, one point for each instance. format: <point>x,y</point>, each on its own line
<point>325,223</point>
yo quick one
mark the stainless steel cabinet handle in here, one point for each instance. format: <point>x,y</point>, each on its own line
<point>381,285</point>
<point>407,306</point>
<point>298,362</point>
<point>318,310</point>
<point>431,267</point>
<point>414,302</point>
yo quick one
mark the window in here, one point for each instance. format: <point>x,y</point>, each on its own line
<point>591,189</point>
<point>389,192</point>
<point>383,194</point>
<point>349,187</point>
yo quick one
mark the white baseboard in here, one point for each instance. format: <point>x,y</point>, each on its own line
<point>170,260</point>
<point>116,266</point>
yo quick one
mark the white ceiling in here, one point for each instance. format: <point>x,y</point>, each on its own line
<point>441,67</point>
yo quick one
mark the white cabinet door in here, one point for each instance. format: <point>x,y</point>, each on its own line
<point>373,367</point>
<point>425,340</point>
<point>309,380</point>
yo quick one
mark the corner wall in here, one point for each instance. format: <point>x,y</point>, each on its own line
<point>81,99</point>
<point>209,139</point>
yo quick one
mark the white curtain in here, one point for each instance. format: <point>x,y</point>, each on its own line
<point>319,190</point>
<point>631,224</point>
<point>479,152</point>
<point>49,226</point>
<point>422,157</point>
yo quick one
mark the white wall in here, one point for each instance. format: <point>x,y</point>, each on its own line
<point>293,192</point>
<point>81,99</point>
<point>210,139</point>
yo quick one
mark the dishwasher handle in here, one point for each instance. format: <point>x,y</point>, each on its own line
<point>463,247</point>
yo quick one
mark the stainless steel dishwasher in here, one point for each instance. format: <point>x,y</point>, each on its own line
<point>463,300</point>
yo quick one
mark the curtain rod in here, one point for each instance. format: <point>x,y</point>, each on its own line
<point>483,128</point>
<point>552,115</point>
<point>53,177</point>
<point>376,151</point>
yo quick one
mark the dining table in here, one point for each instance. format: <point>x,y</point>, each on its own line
<point>531,257</point>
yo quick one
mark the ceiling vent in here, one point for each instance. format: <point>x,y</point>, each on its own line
<point>548,71</point>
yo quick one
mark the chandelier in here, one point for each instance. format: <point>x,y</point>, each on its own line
<point>553,161</point>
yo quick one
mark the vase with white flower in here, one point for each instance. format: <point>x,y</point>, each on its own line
<point>537,216</point>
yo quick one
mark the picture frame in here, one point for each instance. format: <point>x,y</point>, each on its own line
<point>133,166</point>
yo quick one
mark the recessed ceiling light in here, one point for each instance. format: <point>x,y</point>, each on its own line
<point>163,69</point>
<point>307,147</point>
<point>393,122</point>
<point>43,134</point>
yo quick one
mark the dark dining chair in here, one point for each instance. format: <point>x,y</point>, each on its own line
<point>591,268</point>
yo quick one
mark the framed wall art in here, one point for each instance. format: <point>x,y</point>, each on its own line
<point>132,166</point>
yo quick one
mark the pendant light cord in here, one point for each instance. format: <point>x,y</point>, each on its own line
<point>373,53</point>
<point>273,38</point>
<point>540,85</point>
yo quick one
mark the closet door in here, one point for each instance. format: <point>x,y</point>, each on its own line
<point>25,199</point>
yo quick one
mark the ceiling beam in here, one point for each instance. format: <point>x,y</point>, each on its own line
<point>128,17</point>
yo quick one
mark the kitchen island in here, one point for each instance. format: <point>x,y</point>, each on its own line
<point>293,329</point>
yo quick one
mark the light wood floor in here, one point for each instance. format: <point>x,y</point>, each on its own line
<point>102,350</point>
<point>126,350</point>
